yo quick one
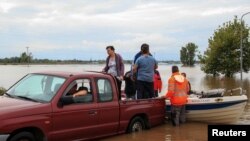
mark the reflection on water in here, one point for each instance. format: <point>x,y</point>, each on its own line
<point>245,117</point>
<point>222,82</point>
<point>191,131</point>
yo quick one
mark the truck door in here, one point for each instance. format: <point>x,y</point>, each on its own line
<point>108,107</point>
<point>77,119</point>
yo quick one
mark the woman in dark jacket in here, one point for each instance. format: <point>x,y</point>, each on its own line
<point>114,66</point>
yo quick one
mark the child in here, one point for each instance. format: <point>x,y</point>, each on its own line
<point>157,83</point>
<point>130,89</point>
<point>190,91</point>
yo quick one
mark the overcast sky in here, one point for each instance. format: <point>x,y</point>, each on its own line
<point>81,29</point>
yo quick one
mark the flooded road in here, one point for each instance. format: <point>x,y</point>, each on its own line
<point>190,131</point>
<point>198,79</point>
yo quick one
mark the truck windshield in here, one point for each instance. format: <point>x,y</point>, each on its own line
<point>36,87</point>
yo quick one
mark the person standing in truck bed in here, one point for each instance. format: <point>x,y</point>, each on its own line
<point>144,67</point>
<point>130,88</point>
<point>114,66</point>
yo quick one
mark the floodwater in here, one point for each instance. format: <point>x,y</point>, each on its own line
<point>190,131</point>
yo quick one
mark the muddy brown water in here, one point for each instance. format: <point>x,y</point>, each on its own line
<point>190,131</point>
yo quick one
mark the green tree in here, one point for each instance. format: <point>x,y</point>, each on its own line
<point>187,54</point>
<point>223,53</point>
<point>24,58</point>
<point>184,56</point>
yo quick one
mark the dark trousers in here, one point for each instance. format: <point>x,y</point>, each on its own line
<point>119,85</point>
<point>156,93</point>
<point>145,89</point>
<point>178,114</point>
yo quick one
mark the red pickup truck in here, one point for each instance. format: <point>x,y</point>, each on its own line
<point>40,107</point>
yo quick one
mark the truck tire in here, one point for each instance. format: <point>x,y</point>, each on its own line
<point>23,136</point>
<point>136,125</point>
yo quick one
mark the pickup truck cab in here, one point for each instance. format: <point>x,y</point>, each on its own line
<point>40,107</point>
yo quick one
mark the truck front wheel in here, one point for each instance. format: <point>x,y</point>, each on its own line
<point>23,136</point>
<point>136,125</point>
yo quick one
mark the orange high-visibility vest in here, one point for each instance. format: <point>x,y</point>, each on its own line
<point>177,89</point>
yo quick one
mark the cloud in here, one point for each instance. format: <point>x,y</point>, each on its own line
<point>129,44</point>
<point>89,26</point>
<point>219,11</point>
<point>133,41</point>
<point>6,6</point>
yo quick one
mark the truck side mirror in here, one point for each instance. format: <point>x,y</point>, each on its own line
<point>65,100</point>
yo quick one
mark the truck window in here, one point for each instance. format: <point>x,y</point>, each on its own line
<point>79,85</point>
<point>37,87</point>
<point>104,90</point>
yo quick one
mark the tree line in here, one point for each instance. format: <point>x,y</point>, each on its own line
<point>28,59</point>
<point>25,59</point>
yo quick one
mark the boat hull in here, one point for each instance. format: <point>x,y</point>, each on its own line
<point>225,109</point>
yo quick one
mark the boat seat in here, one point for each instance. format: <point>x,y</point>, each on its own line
<point>213,93</point>
<point>210,93</point>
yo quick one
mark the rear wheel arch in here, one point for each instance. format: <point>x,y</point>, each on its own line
<point>143,118</point>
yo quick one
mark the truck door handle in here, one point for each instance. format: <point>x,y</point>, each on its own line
<point>92,112</point>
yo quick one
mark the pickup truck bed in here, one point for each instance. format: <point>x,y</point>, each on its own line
<point>151,112</point>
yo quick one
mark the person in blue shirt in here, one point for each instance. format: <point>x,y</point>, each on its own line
<point>134,74</point>
<point>144,68</point>
<point>139,54</point>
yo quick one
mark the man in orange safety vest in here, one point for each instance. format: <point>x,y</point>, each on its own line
<point>177,93</point>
